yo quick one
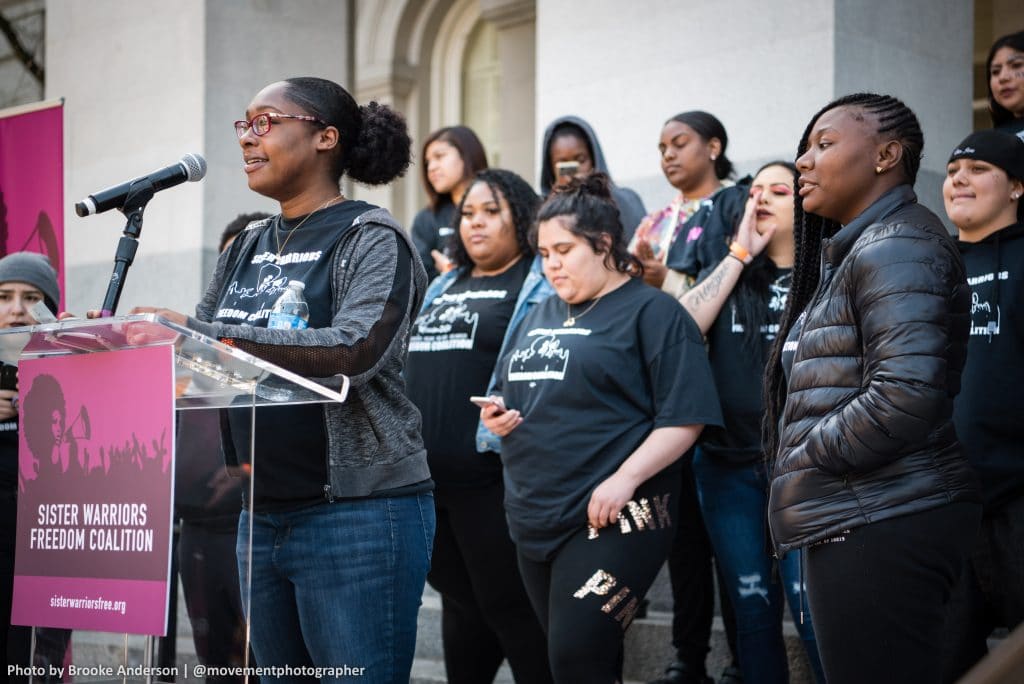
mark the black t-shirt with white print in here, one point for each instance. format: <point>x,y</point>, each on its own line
<point>590,394</point>
<point>452,352</point>
<point>291,441</point>
<point>739,376</point>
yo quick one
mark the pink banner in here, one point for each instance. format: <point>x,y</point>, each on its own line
<point>95,480</point>
<point>32,185</point>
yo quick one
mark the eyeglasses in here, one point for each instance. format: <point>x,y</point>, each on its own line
<point>261,123</point>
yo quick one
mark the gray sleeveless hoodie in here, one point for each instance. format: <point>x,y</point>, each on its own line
<point>374,441</point>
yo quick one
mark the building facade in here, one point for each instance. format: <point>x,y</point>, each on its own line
<point>144,82</point>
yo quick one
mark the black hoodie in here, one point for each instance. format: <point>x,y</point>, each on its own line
<point>631,207</point>
<point>989,412</point>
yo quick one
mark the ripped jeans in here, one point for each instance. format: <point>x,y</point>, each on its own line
<point>734,501</point>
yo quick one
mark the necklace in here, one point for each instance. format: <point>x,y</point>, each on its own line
<point>571,320</point>
<point>277,233</point>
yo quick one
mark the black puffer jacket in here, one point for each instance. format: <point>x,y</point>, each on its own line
<point>867,430</point>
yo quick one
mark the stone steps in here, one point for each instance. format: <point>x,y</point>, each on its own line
<point>648,644</point>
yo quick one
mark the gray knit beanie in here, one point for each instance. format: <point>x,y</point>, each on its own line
<point>34,269</point>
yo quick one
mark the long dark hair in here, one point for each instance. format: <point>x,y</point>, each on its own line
<point>752,291</point>
<point>707,126</point>
<point>591,211</point>
<point>469,147</point>
<point>374,145</point>
<point>522,203</point>
<point>895,120</point>
<point>1000,114</point>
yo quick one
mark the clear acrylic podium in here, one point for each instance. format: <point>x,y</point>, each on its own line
<point>209,376</point>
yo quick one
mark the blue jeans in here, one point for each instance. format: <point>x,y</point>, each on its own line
<point>338,585</point>
<point>734,501</point>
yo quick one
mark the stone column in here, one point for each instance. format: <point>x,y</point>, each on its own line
<point>144,83</point>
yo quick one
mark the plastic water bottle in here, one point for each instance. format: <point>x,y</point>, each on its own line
<point>290,312</point>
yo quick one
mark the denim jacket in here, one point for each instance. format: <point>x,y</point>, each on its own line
<point>535,290</point>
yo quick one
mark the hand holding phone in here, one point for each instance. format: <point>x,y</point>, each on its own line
<point>493,400</point>
<point>495,416</point>
<point>567,169</point>
<point>41,313</point>
<point>8,377</point>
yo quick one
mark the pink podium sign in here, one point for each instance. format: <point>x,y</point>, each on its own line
<point>95,483</point>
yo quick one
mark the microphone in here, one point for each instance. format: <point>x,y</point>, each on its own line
<point>192,167</point>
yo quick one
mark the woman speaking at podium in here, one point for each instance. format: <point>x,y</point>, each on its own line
<point>342,510</point>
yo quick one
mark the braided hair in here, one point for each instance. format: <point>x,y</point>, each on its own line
<point>522,203</point>
<point>896,121</point>
<point>591,213</point>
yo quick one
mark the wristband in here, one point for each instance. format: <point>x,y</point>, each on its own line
<point>740,252</point>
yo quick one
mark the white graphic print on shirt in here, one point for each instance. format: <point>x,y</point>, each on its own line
<point>985,315</point>
<point>545,358</point>
<point>778,291</point>
<point>270,283</point>
<point>449,323</point>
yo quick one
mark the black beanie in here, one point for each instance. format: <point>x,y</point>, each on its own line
<point>33,269</point>
<point>998,148</point>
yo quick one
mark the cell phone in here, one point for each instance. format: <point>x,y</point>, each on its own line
<point>8,377</point>
<point>567,168</point>
<point>41,313</point>
<point>484,402</point>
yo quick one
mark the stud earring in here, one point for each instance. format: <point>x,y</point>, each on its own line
<point>713,157</point>
<point>878,169</point>
<point>1015,196</point>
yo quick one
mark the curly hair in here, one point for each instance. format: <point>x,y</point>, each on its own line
<point>237,225</point>
<point>588,204</point>
<point>375,145</point>
<point>43,398</point>
<point>522,203</point>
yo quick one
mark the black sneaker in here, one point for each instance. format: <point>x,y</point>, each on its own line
<point>681,673</point>
<point>731,675</point>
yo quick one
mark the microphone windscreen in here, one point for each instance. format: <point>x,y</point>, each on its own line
<point>195,166</point>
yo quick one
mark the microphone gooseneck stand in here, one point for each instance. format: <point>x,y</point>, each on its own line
<point>135,203</point>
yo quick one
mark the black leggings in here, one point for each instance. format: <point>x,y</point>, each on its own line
<point>485,614</point>
<point>879,595</point>
<point>587,594</point>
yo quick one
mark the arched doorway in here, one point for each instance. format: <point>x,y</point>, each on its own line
<point>446,62</point>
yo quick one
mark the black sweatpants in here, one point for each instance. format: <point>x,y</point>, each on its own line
<point>879,595</point>
<point>587,594</point>
<point>486,616</point>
